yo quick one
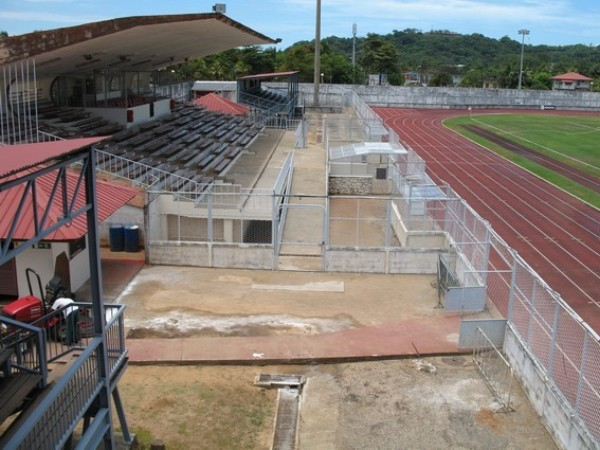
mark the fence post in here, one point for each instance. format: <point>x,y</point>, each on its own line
<point>388,222</point>
<point>511,295</point>
<point>553,344</point>
<point>532,309</point>
<point>486,254</point>
<point>582,372</point>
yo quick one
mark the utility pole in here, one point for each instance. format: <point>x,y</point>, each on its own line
<point>317,74</point>
<point>353,52</point>
<point>524,33</point>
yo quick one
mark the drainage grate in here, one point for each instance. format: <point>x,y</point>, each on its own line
<point>272,380</point>
<point>286,420</point>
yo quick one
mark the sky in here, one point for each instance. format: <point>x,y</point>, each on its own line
<point>550,22</point>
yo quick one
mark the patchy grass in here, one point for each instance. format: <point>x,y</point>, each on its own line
<point>197,407</point>
<point>571,139</point>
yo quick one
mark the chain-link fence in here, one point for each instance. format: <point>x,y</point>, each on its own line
<point>564,347</point>
<point>494,368</point>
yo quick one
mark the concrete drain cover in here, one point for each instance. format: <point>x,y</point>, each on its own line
<point>277,381</point>
<point>288,400</point>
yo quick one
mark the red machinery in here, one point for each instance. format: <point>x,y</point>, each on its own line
<point>30,308</point>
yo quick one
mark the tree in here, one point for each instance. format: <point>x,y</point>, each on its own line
<point>441,79</point>
<point>299,57</point>
<point>381,57</point>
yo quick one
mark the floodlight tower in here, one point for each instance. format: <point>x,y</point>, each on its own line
<point>353,51</point>
<point>524,33</point>
<point>317,74</point>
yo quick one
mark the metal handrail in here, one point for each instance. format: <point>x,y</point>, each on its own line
<point>72,395</point>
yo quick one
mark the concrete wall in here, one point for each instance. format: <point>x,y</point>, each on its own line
<point>381,261</point>
<point>201,254</point>
<point>127,215</point>
<point>426,240</point>
<point>453,97</point>
<point>566,429</point>
<point>141,113</point>
<point>42,260</point>
<point>79,265</point>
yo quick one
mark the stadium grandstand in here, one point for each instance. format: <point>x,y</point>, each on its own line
<point>224,190</point>
<point>105,82</point>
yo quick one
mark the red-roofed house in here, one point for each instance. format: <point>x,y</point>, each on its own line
<point>571,81</point>
<point>68,244</point>
<point>214,102</point>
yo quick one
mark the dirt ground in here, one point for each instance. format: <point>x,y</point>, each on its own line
<point>434,403</point>
<point>430,403</point>
<point>192,301</point>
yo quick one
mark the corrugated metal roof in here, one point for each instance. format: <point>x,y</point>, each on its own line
<point>571,76</point>
<point>14,158</point>
<point>269,75</point>
<point>427,191</point>
<point>214,102</point>
<point>109,198</point>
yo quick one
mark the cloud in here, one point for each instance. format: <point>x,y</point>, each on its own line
<point>45,17</point>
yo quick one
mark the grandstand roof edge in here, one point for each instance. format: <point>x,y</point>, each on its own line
<point>124,42</point>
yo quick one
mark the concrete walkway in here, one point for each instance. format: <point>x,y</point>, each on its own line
<point>410,338</point>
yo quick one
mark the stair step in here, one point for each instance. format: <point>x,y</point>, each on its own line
<point>14,391</point>
<point>5,354</point>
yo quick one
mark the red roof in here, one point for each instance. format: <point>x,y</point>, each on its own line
<point>270,75</point>
<point>572,76</point>
<point>14,158</point>
<point>214,102</point>
<point>109,198</point>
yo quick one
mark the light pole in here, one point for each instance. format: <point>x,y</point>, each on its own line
<point>317,72</point>
<point>353,52</point>
<point>524,33</point>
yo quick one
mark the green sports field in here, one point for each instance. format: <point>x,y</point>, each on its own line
<point>571,139</point>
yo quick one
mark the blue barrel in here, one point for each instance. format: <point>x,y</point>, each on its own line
<point>131,235</point>
<point>115,237</point>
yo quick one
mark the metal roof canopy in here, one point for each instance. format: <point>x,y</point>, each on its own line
<point>365,148</point>
<point>15,158</point>
<point>37,191</point>
<point>262,76</point>
<point>142,43</point>
<point>427,192</point>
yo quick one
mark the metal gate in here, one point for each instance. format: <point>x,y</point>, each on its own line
<point>299,246</point>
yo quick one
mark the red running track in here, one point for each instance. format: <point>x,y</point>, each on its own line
<point>555,233</point>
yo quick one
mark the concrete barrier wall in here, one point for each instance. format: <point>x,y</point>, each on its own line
<point>239,257</point>
<point>457,98</point>
<point>564,426</point>
<point>426,240</point>
<point>202,254</point>
<point>173,253</point>
<point>381,261</point>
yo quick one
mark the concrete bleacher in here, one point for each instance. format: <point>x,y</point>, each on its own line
<point>69,122</point>
<point>192,143</point>
<point>265,100</point>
